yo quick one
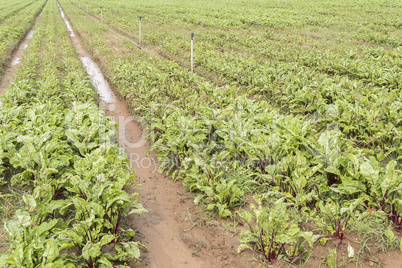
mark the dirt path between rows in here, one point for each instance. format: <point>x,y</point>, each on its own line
<point>175,231</point>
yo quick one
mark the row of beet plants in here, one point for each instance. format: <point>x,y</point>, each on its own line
<point>346,84</point>
<point>224,145</point>
<point>56,139</point>
<point>9,9</point>
<point>14,26</point>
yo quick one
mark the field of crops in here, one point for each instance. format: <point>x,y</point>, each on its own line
<point>16,19</point>
<point>289,127</point>
<point>55,139</point>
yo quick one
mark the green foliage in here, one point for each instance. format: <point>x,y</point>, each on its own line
<point>275,233</point>
<point>16,19</point>
<point>331,259</point>
<point>333,219</point>
<point>219,195</point>
<point>35,245</point>
<point>56,139</point>
<point>321,128</point>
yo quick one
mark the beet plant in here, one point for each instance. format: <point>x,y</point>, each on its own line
<point>273,233</point>
<point>333,219</point>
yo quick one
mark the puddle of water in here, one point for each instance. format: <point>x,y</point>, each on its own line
<point>24,46</point>
<point>16,61</point>
<point>70,29</point>
<point>61,11</point>
<point>30,34</point>
<point>98,80</point>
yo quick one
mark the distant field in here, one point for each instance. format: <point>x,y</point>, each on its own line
<point>302,57</point>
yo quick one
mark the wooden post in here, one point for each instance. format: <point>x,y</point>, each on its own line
<point>192,52</point>
<point>139,36</point>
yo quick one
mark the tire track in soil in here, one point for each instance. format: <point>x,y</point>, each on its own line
<point>175,231</point>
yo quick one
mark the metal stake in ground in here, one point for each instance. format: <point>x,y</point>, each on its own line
<point>192,51</point>
<point>101,14</point>
<point>139,37</point>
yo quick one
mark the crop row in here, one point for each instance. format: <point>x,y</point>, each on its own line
<point>14,28</point>
<point>376,66</point>
<point>315,15</point>
<point>223,145</point>
<point>55,138</point>
<point>8,10</point>
<point>340,86</point>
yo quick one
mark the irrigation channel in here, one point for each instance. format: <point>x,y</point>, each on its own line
<point>175,231</point>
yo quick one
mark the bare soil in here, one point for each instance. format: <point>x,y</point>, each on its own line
<point>391,259</point>
<point>3,239</point>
